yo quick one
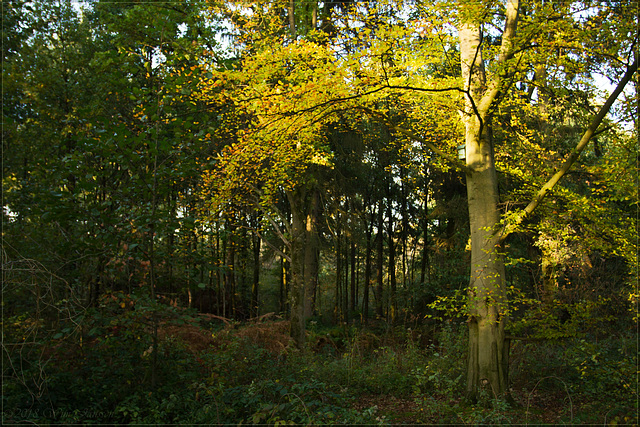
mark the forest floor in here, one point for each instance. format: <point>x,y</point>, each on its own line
<point>405,410</point>
<point>214,371</point>
<point>542,405</point>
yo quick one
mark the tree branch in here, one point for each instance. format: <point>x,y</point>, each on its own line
<point>506,53</point>
<point>272,246</point>
<point>573,156</point>
<point>276,227</point>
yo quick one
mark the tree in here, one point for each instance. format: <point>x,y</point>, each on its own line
<point>101,146</point>
<point>488,355</point>
<point>279,160</point>
<point>393,66</point>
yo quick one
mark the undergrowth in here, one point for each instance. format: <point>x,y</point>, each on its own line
<point>250,374</point>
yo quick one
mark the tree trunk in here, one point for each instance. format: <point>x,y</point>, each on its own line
<point>220,279</point>
<point>297,297</point>
<point>284,280</point>
<point>549,279</point>
<point>345,275</point>
<point>241,293</point>
<point>256,276</point>
<point>96,282</point>
<point>380,262</point>
<point>338,290</point>
<point>291,7</point>
<point>425,268</point>
<point>487,364</point>
<point>367,271</point>
<point>173,207</point>
<point>486,293</point>
<point>354,295</point>
<point>229,273</point>
<point>311,255</point>
<point>393,303</point>
<point>405,224</point>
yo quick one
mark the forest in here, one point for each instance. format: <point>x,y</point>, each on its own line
<point>320,212</point>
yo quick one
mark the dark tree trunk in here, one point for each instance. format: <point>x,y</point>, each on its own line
<point>219,275</point>
<point>255,286</point>
<point>405,225</point>
<point>393,303</point>
<point>283,289</point>
<point>229,274</point>
<point>380,261</point>
<point>425,268</point>
<point>367,269</point>
<point>312,254</point>
<point>354,295</point>
<point>345,284</point>
<point>297,292</point>
<point>338,290</point>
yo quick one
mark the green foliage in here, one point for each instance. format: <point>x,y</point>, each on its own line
<point>453,306</point>
<point>591,377</point>
<point>494,411</point>
<point>604,370</point>
<point>563,320</point>
<point>102,373</point>
<point>126,123</point>
<point>444,371</point>
<point>107,378</point>
<point>279,402</point>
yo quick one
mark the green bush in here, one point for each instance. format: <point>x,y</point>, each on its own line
<point>445,368</point>
<point>603,372</point>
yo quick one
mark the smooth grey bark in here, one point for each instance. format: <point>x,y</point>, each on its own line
<point>488,348</point>
<point>488,355</point>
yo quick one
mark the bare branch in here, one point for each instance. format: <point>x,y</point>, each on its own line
<point>273,247</point>
<point>287,226</point>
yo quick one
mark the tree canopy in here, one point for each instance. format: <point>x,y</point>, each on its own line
<point>398,163</point>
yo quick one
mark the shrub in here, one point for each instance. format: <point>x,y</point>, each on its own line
<point>444,370</point>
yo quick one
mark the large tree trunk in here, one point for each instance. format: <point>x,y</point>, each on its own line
<point>486,293</point>
<point>487,364</point>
